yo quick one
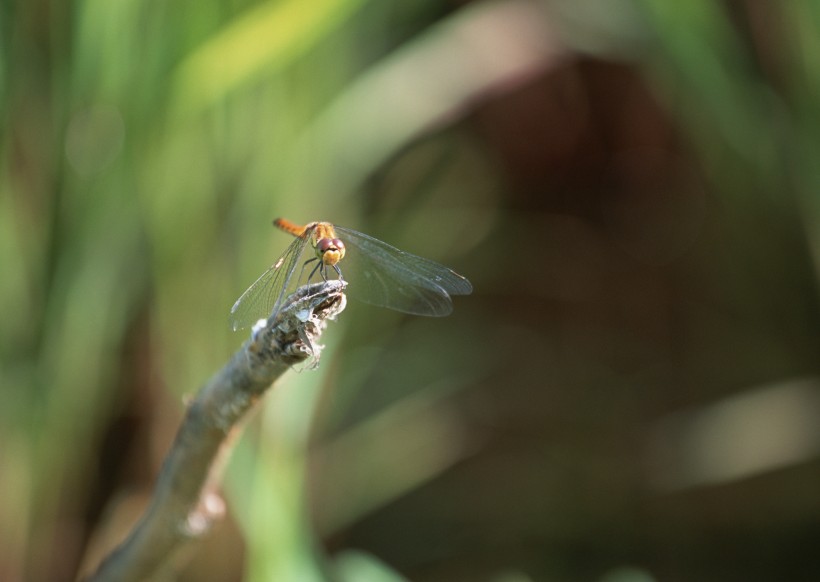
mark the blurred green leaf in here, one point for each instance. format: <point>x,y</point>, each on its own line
<point>261,41</point>
<point>352,566</point>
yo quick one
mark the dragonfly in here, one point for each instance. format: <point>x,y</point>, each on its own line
<point>380,274</point>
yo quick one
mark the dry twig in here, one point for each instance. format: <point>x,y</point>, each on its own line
<point>185,502</point>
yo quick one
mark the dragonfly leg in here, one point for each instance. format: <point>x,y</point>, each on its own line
<point>339,271</point>
<point>319,267</point>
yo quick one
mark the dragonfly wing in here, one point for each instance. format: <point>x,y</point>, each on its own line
<point>266,294</point>
<point>381,274</point>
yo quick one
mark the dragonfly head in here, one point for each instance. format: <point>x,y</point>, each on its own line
<point>330,250</point>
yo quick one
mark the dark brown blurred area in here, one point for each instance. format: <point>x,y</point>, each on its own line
<point>619,287</point>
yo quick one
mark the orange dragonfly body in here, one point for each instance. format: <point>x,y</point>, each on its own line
<point>379,274</point>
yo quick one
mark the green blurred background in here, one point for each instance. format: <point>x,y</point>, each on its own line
<point>632,392</point>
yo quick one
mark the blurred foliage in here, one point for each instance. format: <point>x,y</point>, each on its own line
<point>631,185</point>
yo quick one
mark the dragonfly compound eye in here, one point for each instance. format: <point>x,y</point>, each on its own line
<point>331,250</point>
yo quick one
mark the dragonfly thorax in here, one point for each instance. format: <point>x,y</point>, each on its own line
<point>330,250</point>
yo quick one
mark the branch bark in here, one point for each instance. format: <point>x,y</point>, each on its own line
<point>185,502</point>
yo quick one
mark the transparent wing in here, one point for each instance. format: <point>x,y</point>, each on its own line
<point>381,274</point>
<point>265,295</point>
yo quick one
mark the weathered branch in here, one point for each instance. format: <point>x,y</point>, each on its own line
<point>185,502</point>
